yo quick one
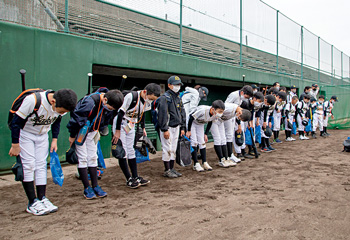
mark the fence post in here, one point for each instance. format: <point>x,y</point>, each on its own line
<point>180,50</point>
<point>342,66</point>
<point>66,26</point>
<point>240,32</point>
<point>302,52</point>
<point>277,41</point>
<point>332,64</point>
<point>319,61</point>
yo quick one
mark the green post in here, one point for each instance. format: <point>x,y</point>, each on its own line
<point>180,50</point>
<point>319,61</point>
<point>240,32</point>
<point>332,65</point>
<point>342,66</point>
<point>277,41</point>
<point>302,52</point>
<point>66,27</point>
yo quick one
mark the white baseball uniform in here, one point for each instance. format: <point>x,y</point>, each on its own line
<point>318,117</point>
<point>291,114</point>
<point>302,107</point>
<point>33,140</point>
<point>328,106</point>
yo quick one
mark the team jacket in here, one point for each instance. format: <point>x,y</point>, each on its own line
<point>171,112</point>
<point>87,109</point>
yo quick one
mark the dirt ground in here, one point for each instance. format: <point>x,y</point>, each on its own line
<point>300,191</point>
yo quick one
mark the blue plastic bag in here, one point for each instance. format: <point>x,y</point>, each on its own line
<point>294,129</point>
<point>100,158</point>
<point>247,137</point>
<point>258,134</point>
<point>140,158</point>
<point>272,121</point>
<point>189,141</point>
<point>308,128</point>
<point>56,169</point>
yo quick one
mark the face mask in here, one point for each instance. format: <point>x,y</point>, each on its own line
<point>255,91</point>
<point>176,88</point>
<point>219,115</point>
<point>257,104</point>
<point>148,101</point>
<point>242,97</point>
<point>106,108</point>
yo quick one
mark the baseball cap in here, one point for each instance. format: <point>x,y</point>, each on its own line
<point>314,85</point>
<point>293,87</point>
<point>321,96</point>
<point>254,86</point>
<point>335,98</point>
<point>174,80</point>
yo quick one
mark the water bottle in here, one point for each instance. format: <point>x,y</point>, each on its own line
<point>82,134</point>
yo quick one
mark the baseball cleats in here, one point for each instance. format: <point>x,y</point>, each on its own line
<point>37,208</point>
<point>142,181</point>
<point>99,192</point>
<point>89,193</point>
<point>48,205</point>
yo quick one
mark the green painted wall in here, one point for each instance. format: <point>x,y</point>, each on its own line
<point>57,60</point>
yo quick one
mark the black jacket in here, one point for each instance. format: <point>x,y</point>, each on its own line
<point>171,112</point>
<point>87,109</point>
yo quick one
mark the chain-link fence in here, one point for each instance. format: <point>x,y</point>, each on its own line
<point>248,33</point>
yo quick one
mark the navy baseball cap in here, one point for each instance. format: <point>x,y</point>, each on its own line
<point>314,85</point>
<point>254,86</point>
<point>293,87</point>
<point>174,80</point>
<point>335,98</point>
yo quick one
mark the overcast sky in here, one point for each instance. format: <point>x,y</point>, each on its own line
<point>325,18</point>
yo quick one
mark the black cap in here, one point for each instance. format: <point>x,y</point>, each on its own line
<point>335,98</point>
<point>314,85</point>
<point>254,86</point>
<point>293,87</point>
<point>321,96</point>
<point>174,80</point>
<point>313,99</point>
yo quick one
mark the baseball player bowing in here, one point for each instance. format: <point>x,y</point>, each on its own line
<point>302,111</point>
<point>203,114</point>
<point>124,129</point>
<point>328,107</point>
<point>30,140</point>
<point>290,111</point>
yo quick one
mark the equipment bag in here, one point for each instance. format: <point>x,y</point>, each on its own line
<point>183,152</point>
<point>294,129</point>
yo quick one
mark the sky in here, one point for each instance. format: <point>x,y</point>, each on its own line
<point>325,18</point>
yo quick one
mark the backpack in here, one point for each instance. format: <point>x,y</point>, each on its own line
<point>135,96</point>
<point>346,144</point>
<point>19,100</point>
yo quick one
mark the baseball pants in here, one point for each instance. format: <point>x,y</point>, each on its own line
<point>197,135</point>
<point>87,153</point>
<point>128,140</point>
<point>277,121</point>
<point>218,132</point>
<point>34,152</point>
<point>317,121</point>
<point>169,145</point>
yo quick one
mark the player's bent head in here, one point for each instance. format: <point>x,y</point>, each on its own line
<point>321,97</point>
<point>295,99</point>
<point>115,98</point>
<point>258,96</point>
<point>282,96</point>
<point>283,89</point>
<point>307,98</point>
<point>152,91</point>
<point>273,91</point>
<point>246,115</point>
<point>247,91</point>
<point>218,104</point>
<point>270,99</point>
<point>65,100</point>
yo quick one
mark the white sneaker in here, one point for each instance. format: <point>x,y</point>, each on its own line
<point>235,159</point>
<point>293,139</point>
<point>197,167</point>
<point>288,139</point>
<point>301,138</point>
<point>48,205</point>
<point>207,167</point>
<point>306,138</point>
<point>230,163</point>
<point>223,163</point>
<point>37,208</point>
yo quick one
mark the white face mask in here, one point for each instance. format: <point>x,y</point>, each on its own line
<point>257,104</point>
<point>294,90</point>
<point>148,101</point>
<point>57,112</point>
<point>242,97</point>
<point>278,88</point>
<point>255,91</point>
<point>176,88</point>
<point>218,115</point>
